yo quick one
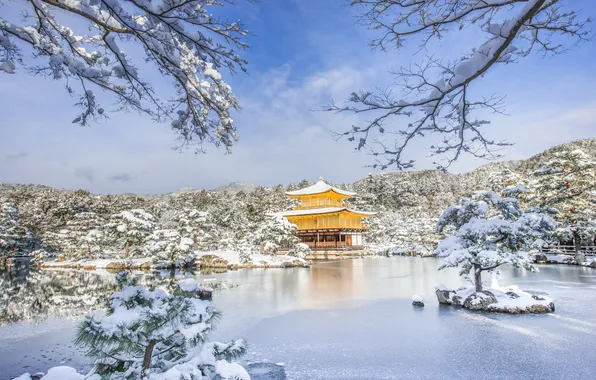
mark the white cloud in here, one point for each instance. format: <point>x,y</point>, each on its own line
<point>281,139</point>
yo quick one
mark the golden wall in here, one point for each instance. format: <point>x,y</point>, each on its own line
<point>327,221</point>
<point>328,199</point>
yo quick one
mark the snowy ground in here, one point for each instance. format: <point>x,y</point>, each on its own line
<point>353,319</point>
<point>231,257</point>
<point>569,259</point>
<point>100,263</point>
<point>255,260</point>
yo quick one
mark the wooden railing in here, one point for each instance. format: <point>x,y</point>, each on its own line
<point>589,250</point>
<point>328,245</point>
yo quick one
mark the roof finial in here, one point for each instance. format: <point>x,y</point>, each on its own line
<point>321,179</point>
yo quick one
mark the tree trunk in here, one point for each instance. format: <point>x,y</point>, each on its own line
<point>196,243</point>
<point>126,250</point>
<point>147,357</point>
<point>580,257</point>
<point>478,277</point>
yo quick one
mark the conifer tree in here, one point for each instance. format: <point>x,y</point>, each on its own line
<point>490,231</point>
<point>155,334</point>
<point>568,183</point>
<point>194,224</point>
<point>169,246</point>
<point>14,237</point>
<point>130,229</point>
<point>278,232</point>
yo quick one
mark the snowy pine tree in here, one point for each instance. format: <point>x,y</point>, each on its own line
<point>568,183</point>
<point>169,246</point>
<point>83,236</point>
<point>14,237</point>
<point>130,229</point>
<point>194,224</point>
<point>152,333</point>
<point>491,231</point>
<point>278,232</point>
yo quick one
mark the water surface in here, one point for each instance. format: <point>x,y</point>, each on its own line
<point>349,319</point>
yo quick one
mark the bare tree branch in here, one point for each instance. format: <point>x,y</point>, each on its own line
<point>436,96</point>
<point>181,38</point>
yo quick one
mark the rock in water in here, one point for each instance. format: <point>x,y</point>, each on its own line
<point>480,300</point>
<point>266,371</point>
<point>417,300</point>
<point>540,258</point>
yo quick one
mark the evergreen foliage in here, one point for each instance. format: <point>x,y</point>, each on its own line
<point>490,231</point>
<point>15,238</point>
<point>568,183</point>
<point>149,332</point>
<point>408,205</point>
<point>278,232</point>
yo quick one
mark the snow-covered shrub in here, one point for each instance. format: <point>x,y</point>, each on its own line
<point>130,229</point>
<point>300,250</point>
<point>168,246</point>
<point>278,232</point>
<point>82,237</point>
<point>158,335</point>
<point>405,232</point>
<point>491,231</point>
<point>14,237</point>
<point>567,183</point>
<point>194,224</point>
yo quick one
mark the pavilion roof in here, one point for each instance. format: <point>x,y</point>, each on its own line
<point>317,211</point>
<point>319,188</point>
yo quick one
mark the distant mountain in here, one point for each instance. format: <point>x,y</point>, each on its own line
<point>236,187</point>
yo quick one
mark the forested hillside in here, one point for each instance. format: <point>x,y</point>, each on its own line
<point>80,224</point>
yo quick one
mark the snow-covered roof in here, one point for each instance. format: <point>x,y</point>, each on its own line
<point>314,211</point>
<point>319,188</point>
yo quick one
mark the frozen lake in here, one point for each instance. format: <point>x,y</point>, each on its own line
<point>349,319</point>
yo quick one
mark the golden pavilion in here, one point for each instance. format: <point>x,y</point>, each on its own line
<point>324,221</point>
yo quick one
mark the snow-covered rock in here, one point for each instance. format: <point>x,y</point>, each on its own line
<point>234,260</point>
<point>417,300</point>
<point>509,299</point>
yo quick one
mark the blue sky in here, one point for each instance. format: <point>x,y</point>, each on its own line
<point>303,53</point>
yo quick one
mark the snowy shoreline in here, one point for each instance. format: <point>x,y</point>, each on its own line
<point>225,260</point>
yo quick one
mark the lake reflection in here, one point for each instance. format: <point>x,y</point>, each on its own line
<point>344,319</point>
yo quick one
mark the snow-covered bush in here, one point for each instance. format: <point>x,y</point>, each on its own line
<point>194,224</point>
<point>567,183</point>
<point>82,237</point>
<point>130,229</point>
<point>157,335</point>
<point>168,246</point>
<point>395,233</point>
<point>14,237</point>
<point>278,232</point>
<point>491,231</point>
<point>300,250</point>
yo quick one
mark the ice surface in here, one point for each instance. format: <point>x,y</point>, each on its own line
<point>353,319</point>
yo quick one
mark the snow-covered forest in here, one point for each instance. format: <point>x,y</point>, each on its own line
<point>167,227</point>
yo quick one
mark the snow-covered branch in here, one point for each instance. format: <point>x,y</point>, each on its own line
<point>182,39</point>
<point>436,95</point>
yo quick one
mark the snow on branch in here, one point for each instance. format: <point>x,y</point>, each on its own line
<point>182,39</point>
<point>436,95</point>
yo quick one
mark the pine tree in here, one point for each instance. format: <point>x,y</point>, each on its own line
<point>278,232</point>
<point>149,332</point>
<point>130,229</point>
<point>169,246</point>
<point>491,231</point>
<point>194,224</point>
<point>14,237</point>
<point>83,236</point>
<point>567,183</point>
